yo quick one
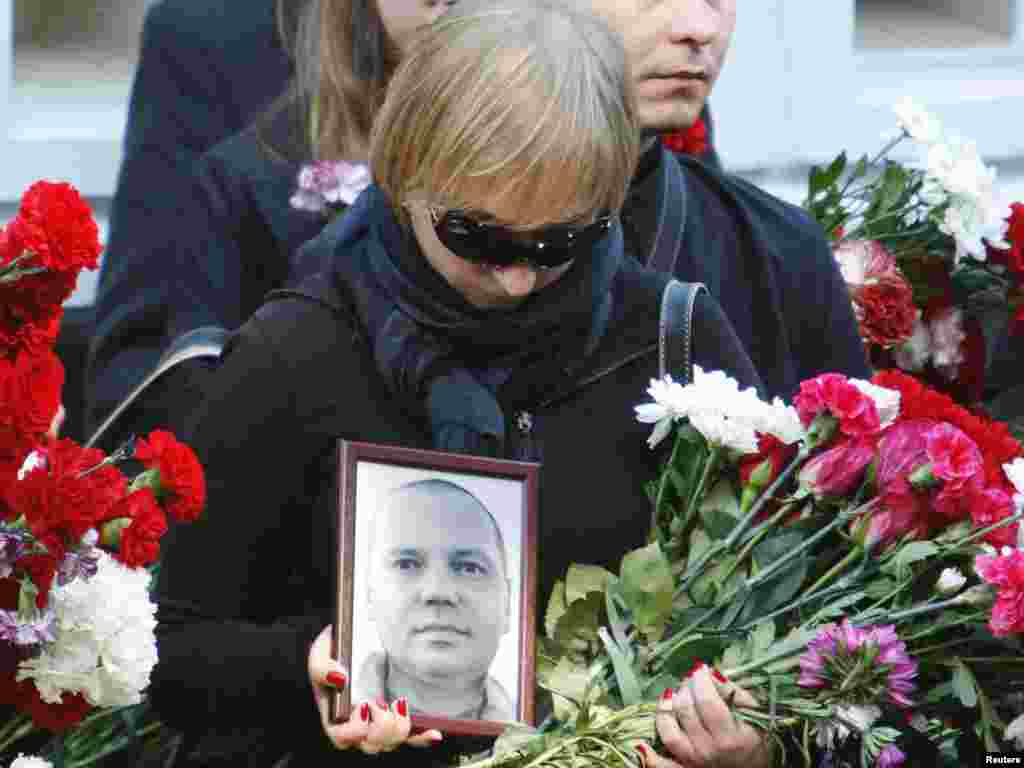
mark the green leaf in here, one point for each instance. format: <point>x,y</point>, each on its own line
<point>629,686</point>
<point>720,509</point>
<point>835,169</point>
<point>647,587</point>
<point>700,543</point>
<point>581,580</point>
<point>880,587</point>
<point>705,588</point>
<point>557,607</point>
<point>580,622</point>
<point>964,685</point>
<point>568,684</point>
<point>781,587</point>
<point>701,648</point>
<point>616,621</point>
<point>939,692</point>
<point>735,655</point>
<point>762,638</point>
<point>899,564</point>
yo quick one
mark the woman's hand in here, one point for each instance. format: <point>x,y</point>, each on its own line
<point>698,729</point>
<point>371,728</point>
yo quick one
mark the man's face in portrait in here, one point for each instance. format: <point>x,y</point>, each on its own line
<point>438,590</point>
<point>676,49</point>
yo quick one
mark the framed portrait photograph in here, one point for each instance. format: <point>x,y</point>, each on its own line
<point>437,557</point>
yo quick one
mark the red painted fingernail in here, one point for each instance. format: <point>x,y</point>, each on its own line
<point>402,707</point>
<point>697,666</point>
<point>719,676</point>
<point>364,712</point>
<point>336,680</point>
<point>642,750</point>
<point>381,702</point>
<point>668,694</point>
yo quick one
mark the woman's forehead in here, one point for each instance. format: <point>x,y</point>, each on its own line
<point>549,199</point>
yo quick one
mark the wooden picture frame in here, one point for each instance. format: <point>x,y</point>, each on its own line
<point>424,612</point>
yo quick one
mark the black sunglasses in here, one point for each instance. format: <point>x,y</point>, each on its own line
<point>496,246</point>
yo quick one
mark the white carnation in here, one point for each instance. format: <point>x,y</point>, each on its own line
<point>106,646</point>
<point>950,581</point>
<point>30,761</point>
<point>919,124</point>
<point>1015,732</point>
<point>887,401</point>
<point>913,354</point>
<point>1015,474</point>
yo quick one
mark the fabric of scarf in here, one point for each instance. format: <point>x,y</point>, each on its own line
<point>449,358</point>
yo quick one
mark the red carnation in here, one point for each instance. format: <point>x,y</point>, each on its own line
<point>692,141</point>
<point>1015,236</point>
<point>25,326</point>
<point>1006,573</point>
<point>885,311</point>
<point>838,470</point>
<point>56,718</point>
<point>30,392</point>
<point>140,541</point>
<point>64,498</point>
<point>181,485</point>
<point>56,225</point>
<point>856,411</point>
<point>41,568</point>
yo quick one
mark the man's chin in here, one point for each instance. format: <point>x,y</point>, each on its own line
<point>666,117</point>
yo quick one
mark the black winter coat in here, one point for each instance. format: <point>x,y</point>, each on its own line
<point>244,592</point>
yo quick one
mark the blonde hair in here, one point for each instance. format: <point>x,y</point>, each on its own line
<point>528,98</point>
<point>343,61</point>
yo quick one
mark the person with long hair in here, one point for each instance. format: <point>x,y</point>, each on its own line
<point>484,305</point>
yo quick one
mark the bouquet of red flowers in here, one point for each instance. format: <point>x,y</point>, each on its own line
<point>76,535</point>
<point>935,267</point>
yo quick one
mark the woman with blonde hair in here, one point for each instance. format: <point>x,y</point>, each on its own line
<point>483,304</point>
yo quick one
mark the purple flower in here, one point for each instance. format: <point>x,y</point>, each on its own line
<point>874,656</point>
<point>25,633</point>
<point>890,757</point>
<point>327,185</point>
<point>12,546</point>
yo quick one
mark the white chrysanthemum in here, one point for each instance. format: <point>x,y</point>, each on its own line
<point>947,332</point>
<point>919,124</point>
<point>1015,732</point>
<point>887,401</point>
<point>30,761</point>
<point>914,353</point>
<point>849,718</point>
<point>716,407</point>
<point>106,646</point>
<point>950,581</point>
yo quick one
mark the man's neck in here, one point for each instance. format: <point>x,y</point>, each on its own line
<point>459,696</point>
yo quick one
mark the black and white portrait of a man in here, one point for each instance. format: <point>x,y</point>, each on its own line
<point>437,592</point>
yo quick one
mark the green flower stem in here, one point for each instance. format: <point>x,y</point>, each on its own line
<point>985,531</point>
<point>16,728</point>
<point>694,570</point>
<point>761,532</point>
<point>889,147</point>
<point>836,569</point>
<point>709,466</point>
<point>989,660</point>
<point>659,500</point>
<point>932,648</point>
<point>919,610</point>
<point>112,748</point>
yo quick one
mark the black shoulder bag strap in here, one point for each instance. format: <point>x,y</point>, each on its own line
<point>671,216</point>
<point>675,343</point>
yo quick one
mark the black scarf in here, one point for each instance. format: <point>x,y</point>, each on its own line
<point>443,355</point>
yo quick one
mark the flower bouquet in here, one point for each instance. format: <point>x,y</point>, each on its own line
<point>935,268</point>
<point>851,561</point>
<point>76,535</point>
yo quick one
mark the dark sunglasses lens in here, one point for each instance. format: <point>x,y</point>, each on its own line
<point>499,247</point>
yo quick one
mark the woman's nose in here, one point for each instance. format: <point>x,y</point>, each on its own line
<point>517,280</point>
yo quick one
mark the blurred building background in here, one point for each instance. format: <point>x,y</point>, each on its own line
<point>805,78</point>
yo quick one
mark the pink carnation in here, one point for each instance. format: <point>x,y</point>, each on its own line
<point>1006,573</point>
<point>838,470</point>
<point>856,411</point>
<point>988,507</point>
<point>954,456</point>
